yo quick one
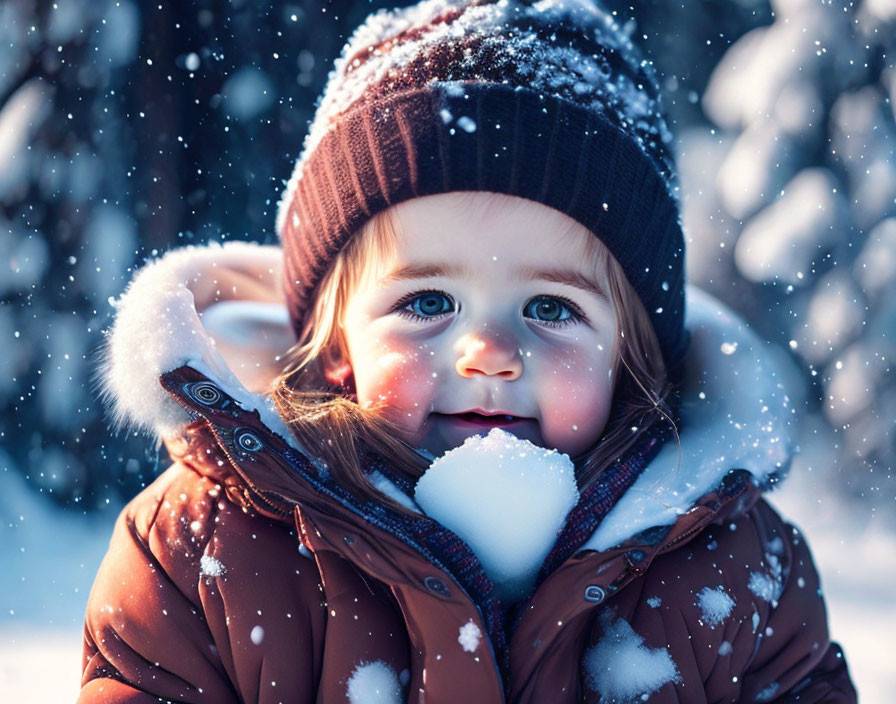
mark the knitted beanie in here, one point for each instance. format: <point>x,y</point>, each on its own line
<point>544,100</point>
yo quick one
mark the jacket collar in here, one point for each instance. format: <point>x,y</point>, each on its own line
<point>219,309</point>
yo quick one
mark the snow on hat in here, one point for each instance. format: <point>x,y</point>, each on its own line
<point>544,100</point>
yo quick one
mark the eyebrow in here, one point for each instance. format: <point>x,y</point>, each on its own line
<point>556,275</point>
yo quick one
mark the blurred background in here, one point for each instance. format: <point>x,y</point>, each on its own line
<point>128,128</point>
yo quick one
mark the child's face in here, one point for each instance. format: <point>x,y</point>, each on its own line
<point>469,318</point>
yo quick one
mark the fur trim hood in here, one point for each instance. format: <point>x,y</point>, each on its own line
<point>216,308</point>
<point>219,309</point>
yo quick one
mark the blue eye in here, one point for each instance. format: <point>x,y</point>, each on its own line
<point>424,305</point>
<point>552,310</point>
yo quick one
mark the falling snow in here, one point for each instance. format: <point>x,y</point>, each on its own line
<point>211,566</point>
<point>800,220</point>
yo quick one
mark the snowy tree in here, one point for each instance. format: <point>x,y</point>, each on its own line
<point>127,129</point>
<point>791,207</point>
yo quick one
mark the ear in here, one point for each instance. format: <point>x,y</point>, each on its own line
<point>335,364</point>
<point>339,374</point>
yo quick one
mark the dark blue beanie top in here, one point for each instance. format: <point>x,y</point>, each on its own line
<point>545,100</point>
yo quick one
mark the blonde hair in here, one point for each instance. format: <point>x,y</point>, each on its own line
<point>331,425</point>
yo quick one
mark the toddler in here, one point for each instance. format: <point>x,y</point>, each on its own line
<point>455,439</point>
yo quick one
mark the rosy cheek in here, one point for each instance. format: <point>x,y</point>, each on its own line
<point>575,400</point>
<point>397,376</point>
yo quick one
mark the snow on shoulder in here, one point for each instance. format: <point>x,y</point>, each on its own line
<point>505,497</point>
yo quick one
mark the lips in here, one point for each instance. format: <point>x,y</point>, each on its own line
<point>446,431</point>
<point>481,418</point>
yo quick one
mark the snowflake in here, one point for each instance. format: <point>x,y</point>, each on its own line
<point>210,567</point>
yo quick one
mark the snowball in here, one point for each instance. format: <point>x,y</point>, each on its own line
<point>257,635</point>
<point>469,637</point>
<point>374,683</point>
<point>725,648</point>
<point>621,668</point>
<point>211,566</point>
<point>715,605</point>
<point>505,497</point>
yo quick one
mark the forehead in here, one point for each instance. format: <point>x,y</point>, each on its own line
<point>476,228</point>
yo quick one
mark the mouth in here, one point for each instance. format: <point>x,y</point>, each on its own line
<point>491,420</point>
<point>449,430</point>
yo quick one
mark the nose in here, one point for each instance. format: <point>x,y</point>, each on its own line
<point>489,354</point>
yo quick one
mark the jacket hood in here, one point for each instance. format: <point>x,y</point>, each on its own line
<point>216,308</point>
<point>219,309</point>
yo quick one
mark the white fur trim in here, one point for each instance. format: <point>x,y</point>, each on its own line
<point>158,328</point>
<point>735,414</point>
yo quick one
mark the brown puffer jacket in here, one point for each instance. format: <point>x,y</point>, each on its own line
<point>235,577</point>
<point>228,580</point>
